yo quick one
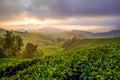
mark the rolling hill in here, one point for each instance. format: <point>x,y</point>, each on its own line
<point>35,38</point>
<point>94,59</point>
<point>39,39</point>
<point>57,33</point>
<point>113,33</point>
<point>49,35</point>
<point>88,43</point>
<point>48,30</point>
<point>70,35</point>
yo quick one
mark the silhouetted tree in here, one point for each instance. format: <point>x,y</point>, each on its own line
<point>11,43</point>
<point>74,38</point>
<point>1,52</point>
<point>60,39</point>
<point>30,50</point>
<point>69,42</point>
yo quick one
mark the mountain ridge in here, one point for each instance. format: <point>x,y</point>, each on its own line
<point>112,33</point>
<point>55,32</point>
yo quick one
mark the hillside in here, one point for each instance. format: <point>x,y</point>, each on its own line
<point>85,33</point>
<point>113,33</point>
<point>100,63</point>
<point>57,33</point>
<point>88,43</point>
<point>35,38</point>
<point>69,35</point>
<point>91,59</point>
<point>39,39</point>
<point>48,30</point>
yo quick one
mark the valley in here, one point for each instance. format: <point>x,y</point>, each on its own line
<point>64,56</point>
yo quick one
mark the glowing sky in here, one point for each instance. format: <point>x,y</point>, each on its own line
<point>94,15</point>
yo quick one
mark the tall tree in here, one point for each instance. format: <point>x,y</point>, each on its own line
<point>11,43</point>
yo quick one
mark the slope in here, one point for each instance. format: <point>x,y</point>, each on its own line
<point>113,33</point>
<point>29,37</point>
<point>88,43</point>
<point>100,63</point>
<point>39,39</point>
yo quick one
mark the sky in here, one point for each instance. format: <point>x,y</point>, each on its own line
<point>91,15</point>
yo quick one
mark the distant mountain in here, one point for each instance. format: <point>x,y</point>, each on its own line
<point>113,33</point>
<point>44,36</point>
<point>20,30</point>
<point>84,33</point>
<point>69,35</point>
<point>49,30</point>
<point>57,33</point>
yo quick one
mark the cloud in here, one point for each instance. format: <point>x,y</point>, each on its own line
<point>87,7</point>
<point>96,11</point>
<point>60,8</point>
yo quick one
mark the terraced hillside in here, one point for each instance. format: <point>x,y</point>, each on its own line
<point>100,63</point>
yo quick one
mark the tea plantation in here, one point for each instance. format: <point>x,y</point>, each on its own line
<point>100,63</point>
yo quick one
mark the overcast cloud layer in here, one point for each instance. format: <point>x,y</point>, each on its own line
<point>64,9</point>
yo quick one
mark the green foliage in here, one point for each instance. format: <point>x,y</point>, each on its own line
<point>10,69</point>
<point>11,44</point>
<point>60,39</point>
<point>100,63</point>
<point>1,52</point>
<point>31,50</point>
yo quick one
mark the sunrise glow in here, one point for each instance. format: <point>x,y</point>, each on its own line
<point>63,14</point>
<point>33,21</point>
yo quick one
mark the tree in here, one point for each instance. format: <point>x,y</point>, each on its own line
<point>60,39</point>
<point>1,52</point>
<point>11,44</point>
<point>1,48</point>
<point>30,50</point>
<point>74,38</point>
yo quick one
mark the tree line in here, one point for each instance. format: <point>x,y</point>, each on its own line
<point>11,45</point>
